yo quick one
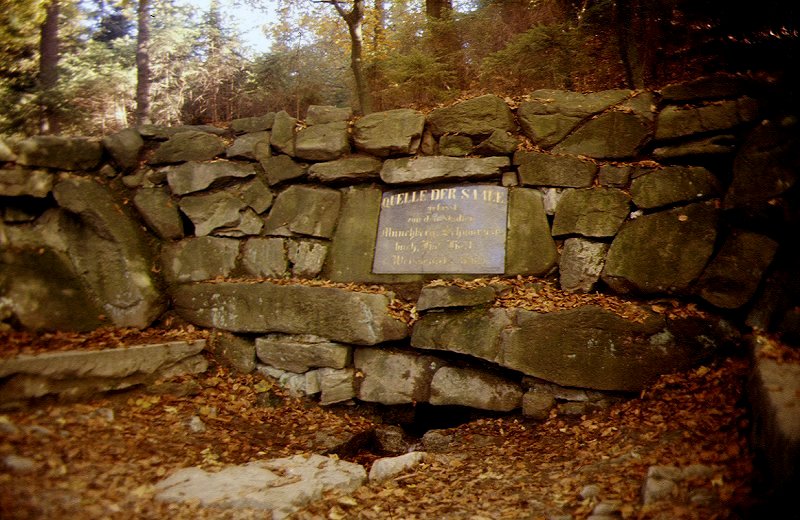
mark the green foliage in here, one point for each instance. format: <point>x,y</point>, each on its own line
<point>418,78</point>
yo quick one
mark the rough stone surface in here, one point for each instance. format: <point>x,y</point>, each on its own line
<point>247,146</point>
<point>676,121</point>
<point>440,169</point>
<point>303,210</point>
<point>474,388</point>
<point>336,385</point>
<point>574,104</point>
<point>537,403</point>
<point>670,185</point>
<point>112,251</point>
<point>196,176</point>
<point>281,168</point>
<point>613,176</point>
<point>545,130</point>
<point>322,114</point>
<point>253,124</point>
<point>265,257</point>
<point>455,145</point>
<point>613,135</point>
<point>733,276</point>
<point>393,132</point>
<point>580,264</point>
<point>710,87</point>
<point>124,148</point>
<point>475,332</point>
<point>212,211</point>
<point>298,385</point>
<point>323,142</point>
<point>301,353</point>
<point>712,146</point>
<point>389,467</point>
<point>348,169</point>
<point>159,212</point>
<point>236,352</point>
<point>307,257</point>
<point>541,169</point>
<point>529,245</point>
<point>188,146</point>
<point>337,314</point>
<point>499,143</point>
<point>20,182</point>
<point>162,133</point>
<point>477,116</point>
<point>597,212</point>
<point>64,153</point>
<point>280,486</point>
<point>283,133</point>
<point>199,258</point>
<point>438,297</point>
<point>662,252</point>
<point>392,377</point>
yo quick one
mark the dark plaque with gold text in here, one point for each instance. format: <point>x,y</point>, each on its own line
<point>452,229</point>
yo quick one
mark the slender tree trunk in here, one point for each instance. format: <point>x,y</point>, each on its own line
<point>143,64</point>
<point>354,20</point>
<point>48,69</point>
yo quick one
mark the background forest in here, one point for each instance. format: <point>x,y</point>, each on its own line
<point>93,67</point>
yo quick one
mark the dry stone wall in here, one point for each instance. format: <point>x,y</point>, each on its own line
<point>688,192</point>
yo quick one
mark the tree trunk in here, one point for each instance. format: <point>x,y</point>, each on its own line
<point>638,25</point>
<point>143,64</point>
<point>48,69</point>
<point>354,20</point>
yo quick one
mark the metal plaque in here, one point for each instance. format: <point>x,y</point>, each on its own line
<point>452,229</point>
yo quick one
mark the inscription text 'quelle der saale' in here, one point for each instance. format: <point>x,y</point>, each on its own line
<point>452,229</point>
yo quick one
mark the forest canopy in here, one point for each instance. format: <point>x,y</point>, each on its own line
<point>93,67</point>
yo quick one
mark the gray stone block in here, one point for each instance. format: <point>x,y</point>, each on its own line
<point>304,210</point>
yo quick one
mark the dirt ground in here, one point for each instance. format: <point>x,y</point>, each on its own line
<point>101,458</point>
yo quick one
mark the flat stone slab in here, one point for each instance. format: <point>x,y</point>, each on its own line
<point>440,169</point>
<point>333,313</point>
<point>281,486</point>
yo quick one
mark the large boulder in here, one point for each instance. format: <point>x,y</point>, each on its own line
<point>282,168</point>
<point>679,121</point>
<point>393,132</point>
<point>124,148</point>
<point>440,169</point>
<point>479,116</point>
<point>530,248</point>
<point>474,388</point>
<point>111,251</point>
<point>246,125</point>
<point>299,353</point>
<point>337,314</point>
<point>211,212</point>
<point>304,210</point>
<point>323,114</point>
<point>252,146</point>
<point>323,142</point>
<point>283,133</point>
<point>188,146</point>
<point>63,153</point>
<point>159,212</point>
<point>597,212</point>
<point>199,258</point>
<point>196,176</point>
<point>394,377</point>
<point>349,169</point>
<point>542,169</point>
<point>671,185</point>
<point>662,252</point>
<point>613,135</point>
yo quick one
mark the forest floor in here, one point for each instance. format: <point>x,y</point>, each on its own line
<point>100,458</point>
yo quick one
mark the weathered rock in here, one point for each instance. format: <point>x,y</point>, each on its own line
<point>438,297</point>
<point>248,224</point>
<point>709,87</point>
<point>301,353</point>
<point>112,251</point>
<point>338,314</point>
<point>674,121</point>
<point>613,176</point>
<point>545,130</point>
<point>455,145</point>
<point>641,103</point>
<point>307,257</point>
<point>541,169</point>
<point>124,148</point>
<point>200,258</point>
<point>585,347</point>
<point>440,169</point>
<point>20,182</point>
<point>298,385</point>
<point>393,132</point>
<point>673,184</point>
<point>265,257</point>
<point>253,124</point>
<point>197,176</point>
<point>581,263</point>
<point>236,352</point>
<point>159,212</point>
<point>477,116</point>
<point>188,146</point>
<point>613,135</point>
<point>63,153</point>
<point>733,276</point>
<point>212,211</point>
<point>163,133</point>
<point>529,245</point>
<point>499,143</point>
<point>255,193</point>
<point>773,390</point>
<point>281,486</point>
<point>281,168</point>
<point>573,104</point>
<point>393,377</point>
<point>322,114</point>
<point>247,145</point>
<point>474,388</point>
<point>303,210</point>
<point>596,212</point>
<point>349,169</point>
<point>336,385</point>
<point>323,142</point>
<point>663,252</point>
<point>767,164</point>
<point>283,133</point>
<point>537,403</point>
<point>389,467</point>
<point>715,145</point>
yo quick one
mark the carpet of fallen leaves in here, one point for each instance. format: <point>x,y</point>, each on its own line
<point>101,458</point>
